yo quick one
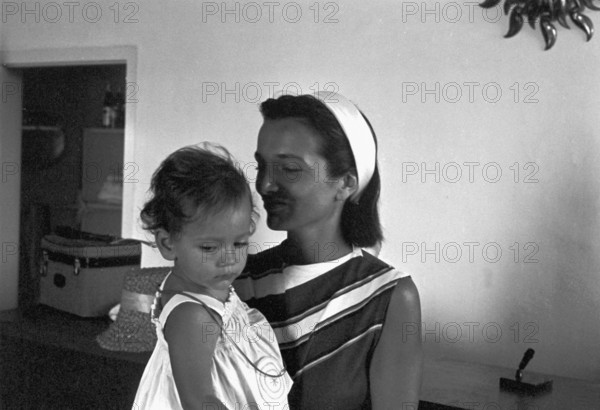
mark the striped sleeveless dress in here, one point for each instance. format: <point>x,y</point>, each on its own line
<point>327,318</point>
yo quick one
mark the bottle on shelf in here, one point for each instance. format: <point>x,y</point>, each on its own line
<point>108,108</point>
<point>119,109</point>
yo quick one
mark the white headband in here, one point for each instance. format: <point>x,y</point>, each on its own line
<point>359,136</point>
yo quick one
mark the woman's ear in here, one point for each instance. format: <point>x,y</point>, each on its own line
<point>164,243</point>
<point>349,185</point>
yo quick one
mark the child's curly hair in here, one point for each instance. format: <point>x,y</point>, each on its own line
<point>193,182</point>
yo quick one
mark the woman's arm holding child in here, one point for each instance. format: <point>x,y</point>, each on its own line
<point>192,336</point>
<point>396,367</point>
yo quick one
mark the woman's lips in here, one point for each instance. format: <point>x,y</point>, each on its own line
<point>274,205</point>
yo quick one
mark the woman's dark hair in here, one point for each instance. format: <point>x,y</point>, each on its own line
<point>194,182</point>
<point>360,222</point>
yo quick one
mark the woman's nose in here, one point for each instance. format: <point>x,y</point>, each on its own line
<point>265,181</point>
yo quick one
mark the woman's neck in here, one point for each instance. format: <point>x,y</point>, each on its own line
<point>305,249</point>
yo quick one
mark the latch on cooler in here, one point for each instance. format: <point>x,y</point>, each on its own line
<point>46,259</point>
<point>44,264</point>
<point>76,266</point>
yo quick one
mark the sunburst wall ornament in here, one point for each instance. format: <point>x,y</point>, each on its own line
<point>546,12</point>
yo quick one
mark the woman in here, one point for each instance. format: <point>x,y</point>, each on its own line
<point>339,314</point>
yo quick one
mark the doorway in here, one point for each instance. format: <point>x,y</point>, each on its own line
<point>14,62</point>
<point>71,158</point>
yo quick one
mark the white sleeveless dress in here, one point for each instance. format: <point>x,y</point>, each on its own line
<point>237,384</point>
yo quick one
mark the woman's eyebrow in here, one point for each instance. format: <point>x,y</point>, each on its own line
<point>290,156</point>
<point>258,157</point>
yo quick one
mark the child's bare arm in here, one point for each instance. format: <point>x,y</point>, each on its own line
<point>192,336</point>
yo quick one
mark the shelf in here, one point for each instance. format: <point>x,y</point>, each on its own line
<point>89,205</point>
<point>108,206</point>
<point>107,130</point>
<point>40,128</point>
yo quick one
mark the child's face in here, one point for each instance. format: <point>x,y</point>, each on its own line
<point>211,252</point>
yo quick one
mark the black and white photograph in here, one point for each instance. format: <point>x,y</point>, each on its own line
<point>314,205</point>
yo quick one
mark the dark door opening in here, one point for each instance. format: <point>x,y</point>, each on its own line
<point>71,167</point>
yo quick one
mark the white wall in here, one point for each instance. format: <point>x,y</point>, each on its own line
<point>376,54</point>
